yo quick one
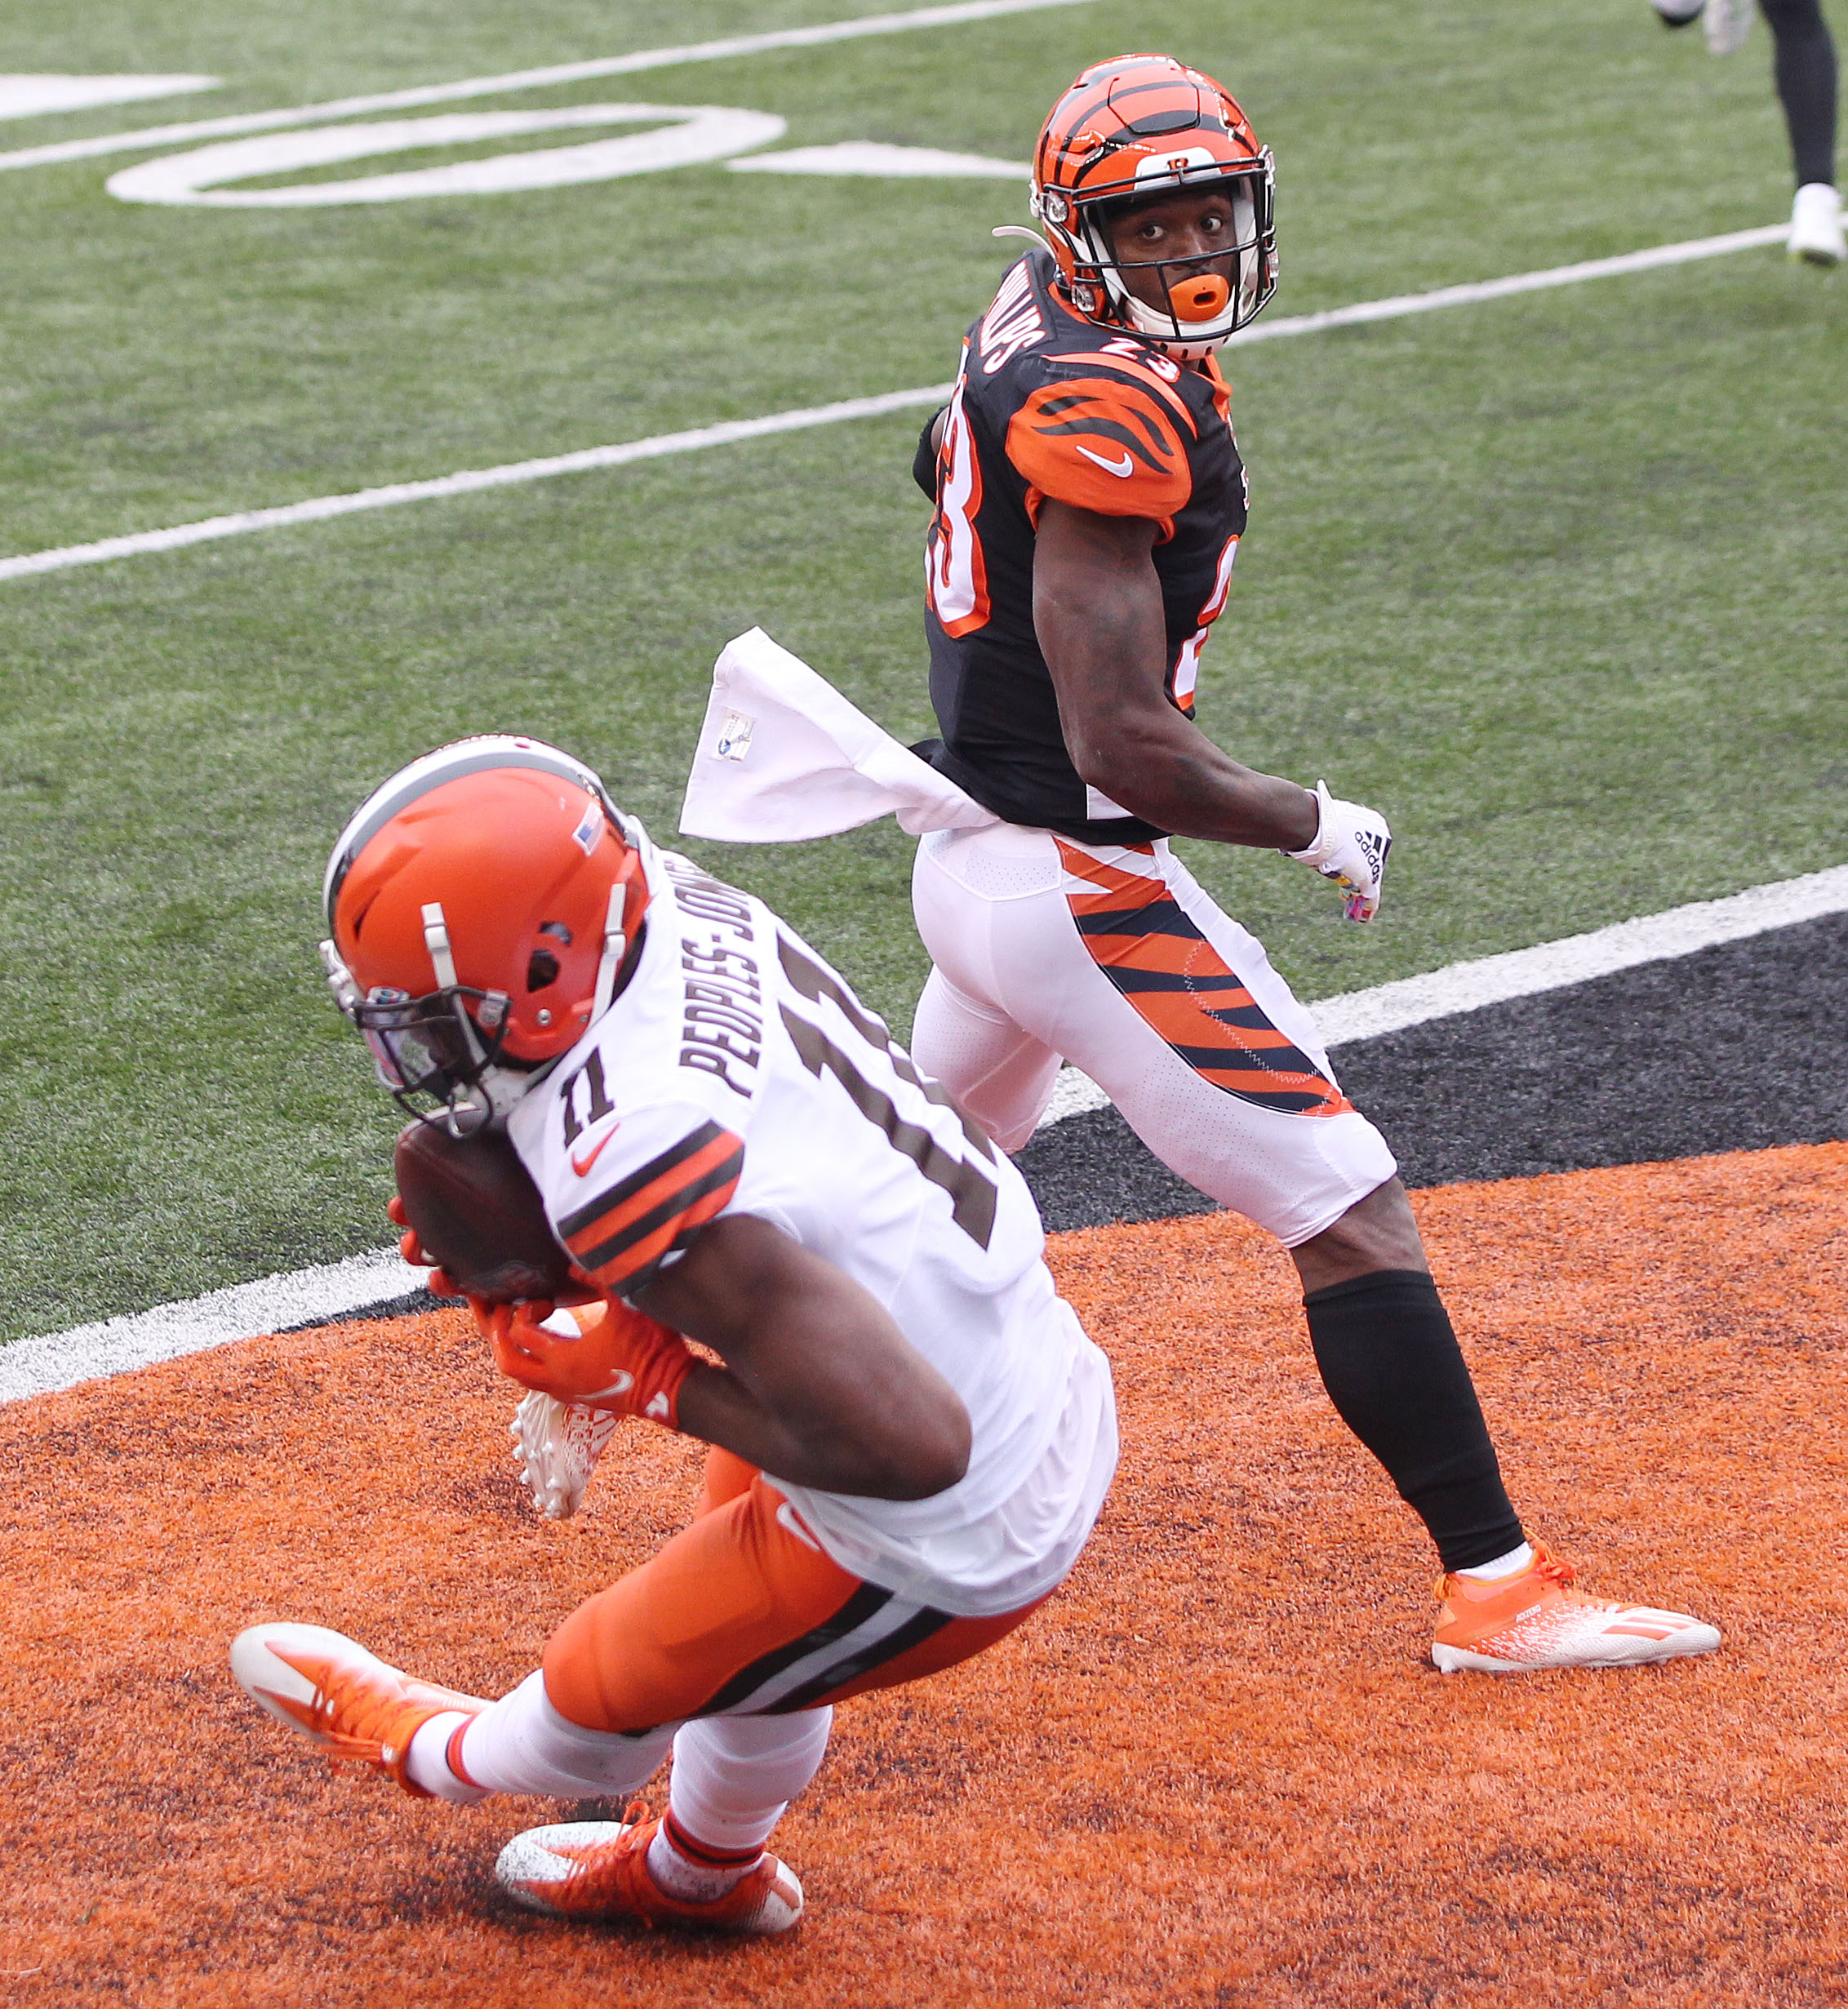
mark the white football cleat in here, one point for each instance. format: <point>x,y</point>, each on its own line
<point>1535,1619</point>
<point>556,1446</point>
<point>1728,23</point>
<point>1815,225</point>
<point>599,1869</point>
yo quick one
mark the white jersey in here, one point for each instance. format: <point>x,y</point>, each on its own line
<point>737,1074</point>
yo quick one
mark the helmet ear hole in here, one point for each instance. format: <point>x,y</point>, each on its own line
<point>557,930</point>
<point>542,970</point>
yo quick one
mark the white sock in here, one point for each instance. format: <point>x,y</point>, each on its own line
<point>1510,1565</point>
<point>427,1766</point>
<point>733,1777</point>
<point>521,1743</point>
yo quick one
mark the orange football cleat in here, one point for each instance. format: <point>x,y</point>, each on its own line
<point>330,1689</point>
<point>1519,1624</point>
<point>599,1869</point>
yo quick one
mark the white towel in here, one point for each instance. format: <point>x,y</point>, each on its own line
<point>782,756</point>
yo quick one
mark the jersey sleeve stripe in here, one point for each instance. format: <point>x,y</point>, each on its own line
<point>1103,444</point>
<point>1095,424</point>
<point>603,1241</point>
<point>620,1239</point>
<point>689,1146</point>
<point>628,1263</point>
<point>1128,371</point>
<point>1130,411</point>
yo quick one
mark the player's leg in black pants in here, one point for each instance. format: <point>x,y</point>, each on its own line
<point>1390,1362</point>
<point>1805,69</point>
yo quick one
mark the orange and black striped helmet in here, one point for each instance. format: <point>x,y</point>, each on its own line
<point>1137,126</point>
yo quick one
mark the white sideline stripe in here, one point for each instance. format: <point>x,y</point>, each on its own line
<point>1460,987</point>
<point>1684,254</point>
<point>116,1346</point>
<point>40,1366</point>
<point>38,95</point>
<point>149,136</point>
<point>469,481</point>
<point>322,507</point>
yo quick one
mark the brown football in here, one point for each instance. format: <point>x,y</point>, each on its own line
<point>478,1212</point>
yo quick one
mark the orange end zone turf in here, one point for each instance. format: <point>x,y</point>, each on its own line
<point>1217,1769</point>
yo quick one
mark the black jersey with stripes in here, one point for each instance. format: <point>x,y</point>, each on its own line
<point>1049,403</point>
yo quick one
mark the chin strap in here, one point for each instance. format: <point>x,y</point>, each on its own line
<point>436,939</point>
<point>616,942</point>
<point>339,980</point>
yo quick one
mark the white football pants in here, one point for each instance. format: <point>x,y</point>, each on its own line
<point>1113,957</point>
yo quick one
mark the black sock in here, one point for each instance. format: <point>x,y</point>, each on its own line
<point>1394,1371</point>
<point>1803,68</point>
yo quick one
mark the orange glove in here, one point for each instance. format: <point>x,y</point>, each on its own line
<point>623,1361</point>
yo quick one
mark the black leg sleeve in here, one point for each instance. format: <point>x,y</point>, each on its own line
<point>1803,68</point>
<point>1393,1370</point>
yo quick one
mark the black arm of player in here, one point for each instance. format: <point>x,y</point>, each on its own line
<point>820,1386</point>
<point>1098,614</point>
<point>924,461</point>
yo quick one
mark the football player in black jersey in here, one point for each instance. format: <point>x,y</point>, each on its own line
<point>1803,68</point>
<point>1089,501</point>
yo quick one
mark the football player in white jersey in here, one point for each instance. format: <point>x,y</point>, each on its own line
<point>911,1435</point>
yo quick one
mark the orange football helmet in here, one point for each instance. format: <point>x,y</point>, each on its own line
<point>480,905</point>
<point>1141,125</point>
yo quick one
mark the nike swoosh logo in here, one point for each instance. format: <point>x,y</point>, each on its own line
<point>581,1165</point>
<point>1109,467</point>
<point>786,1519</point>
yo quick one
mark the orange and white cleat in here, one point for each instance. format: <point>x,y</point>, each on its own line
<point>330,1689</point>
<point>1519,1625</point>
<point>599,1869</point>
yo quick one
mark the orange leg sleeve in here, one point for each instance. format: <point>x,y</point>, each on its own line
<point>726,1476</point>
<point>663,1641</point>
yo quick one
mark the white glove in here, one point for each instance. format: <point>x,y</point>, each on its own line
<point>1350,848</point>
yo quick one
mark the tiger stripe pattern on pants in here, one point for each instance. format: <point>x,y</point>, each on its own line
<point>1114,957</point>
<point>1157,957</point>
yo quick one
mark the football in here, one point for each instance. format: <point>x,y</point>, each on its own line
<point>477,1213</point>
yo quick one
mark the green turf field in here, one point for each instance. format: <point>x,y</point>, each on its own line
<point>1555,581</point>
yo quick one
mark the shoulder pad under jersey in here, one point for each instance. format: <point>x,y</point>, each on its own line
<point>1106,431</point>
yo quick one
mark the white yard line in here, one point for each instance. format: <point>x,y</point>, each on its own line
<point>38,96</point>
<point>467,482</point>
<point>1578,958</point>
<point>92,1352</point>
<point>1477,290</point>
<point>151,136</point>
<point>118,1346</point>
<point>244,522</point>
